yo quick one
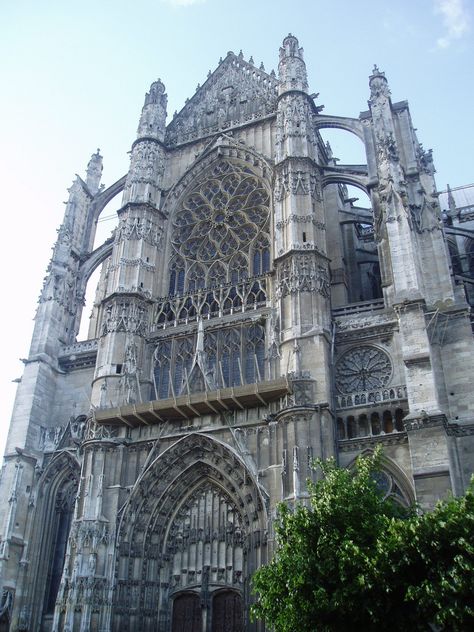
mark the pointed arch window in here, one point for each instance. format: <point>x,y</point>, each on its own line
<point>196,278</point>
<point>217,275</point>
<point>239,269</point>
<point>261,257</point>
<point>162,370</point>
<point>176,285</point>
<point>255,354</point>
<point>233,356</point>
<point>58,531</point>
<point>230,359</point>
<point>183,363</point>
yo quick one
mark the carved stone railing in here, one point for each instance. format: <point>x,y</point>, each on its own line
<point>374,396</point>
<point>83,346</point>
<point>210,303</point>
<point>358,308</point>
<point>79,355</point>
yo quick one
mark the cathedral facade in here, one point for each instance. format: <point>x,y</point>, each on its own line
<point>249,317</point>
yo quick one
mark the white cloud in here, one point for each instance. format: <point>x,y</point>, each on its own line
<point>183,3</point>
<point>456,20</point>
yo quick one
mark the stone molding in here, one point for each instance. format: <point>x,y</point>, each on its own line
<point>362,443</point>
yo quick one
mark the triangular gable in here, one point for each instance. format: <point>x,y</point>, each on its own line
<point>236,92</point>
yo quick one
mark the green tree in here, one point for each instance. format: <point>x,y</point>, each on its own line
<point>354,560</point>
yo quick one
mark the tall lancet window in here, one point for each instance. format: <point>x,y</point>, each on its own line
<point>231,356</point>
<point>59,530</point>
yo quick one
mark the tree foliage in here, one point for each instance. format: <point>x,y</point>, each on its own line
<point>354,560</point>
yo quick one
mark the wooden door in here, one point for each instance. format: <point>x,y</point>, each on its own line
<point>187,613</point>
<point>227,612</point>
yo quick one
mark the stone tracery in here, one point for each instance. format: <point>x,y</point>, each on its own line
<point>363,368</point>
<point>224,217</point>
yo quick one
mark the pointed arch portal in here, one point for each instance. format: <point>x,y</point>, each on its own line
<point>194,528</point>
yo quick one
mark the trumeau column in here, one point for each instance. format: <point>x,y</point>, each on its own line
<point>302,275</point>
<point>131,273</point>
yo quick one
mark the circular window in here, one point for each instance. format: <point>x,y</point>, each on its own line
<point>363,369</point>
<point>222,215</point>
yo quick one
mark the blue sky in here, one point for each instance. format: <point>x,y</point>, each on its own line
<point>74,75</point>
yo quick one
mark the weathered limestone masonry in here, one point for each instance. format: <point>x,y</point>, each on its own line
<point>249,317</point>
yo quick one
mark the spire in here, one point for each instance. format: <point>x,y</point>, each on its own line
<point>291,68</point>
<point>378,85</point>
<point>94,172</point>
<point>153,117</point>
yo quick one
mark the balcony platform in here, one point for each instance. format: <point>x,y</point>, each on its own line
<point>195,404</point>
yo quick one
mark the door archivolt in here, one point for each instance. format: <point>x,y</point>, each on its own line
<point>195,524</point>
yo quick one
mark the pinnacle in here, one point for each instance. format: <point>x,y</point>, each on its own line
<point>376,72</point>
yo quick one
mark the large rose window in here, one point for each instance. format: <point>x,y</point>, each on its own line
<point>224,214</point>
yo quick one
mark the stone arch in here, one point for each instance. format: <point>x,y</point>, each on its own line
<point>95,208</point>
<point>400,487</point>
<point>88,266</point>
<point>339,177</point>
<point>102,199</point>
<point>163,521</point>
<point>93,257</point>
<point>57,491</point>
<point>362,257</point>
<point>351,125</point>
<point>93,260</point>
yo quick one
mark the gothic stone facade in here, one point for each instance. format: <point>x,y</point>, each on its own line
<point>249,318</point>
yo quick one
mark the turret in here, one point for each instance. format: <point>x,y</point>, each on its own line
<point>147,155</point>
<point>124,310</point>
<point>378,86</point>
<point>302,267</point>
<point>153,118</point>
<point>291,67</point>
